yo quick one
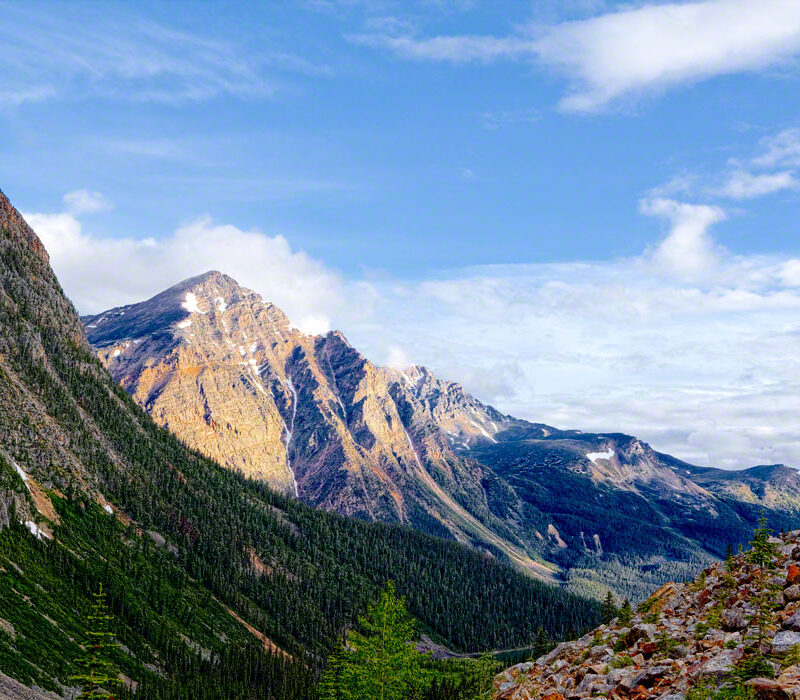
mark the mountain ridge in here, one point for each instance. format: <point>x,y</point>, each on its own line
<point>402,445</point>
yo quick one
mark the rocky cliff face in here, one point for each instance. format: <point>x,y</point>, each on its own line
<point>735,627</point>
<point>229,375</point>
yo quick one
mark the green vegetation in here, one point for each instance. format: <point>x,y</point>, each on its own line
<point>203,543</point>
<point>98,673</point>
<point>378,661</point>
<point>708,690</point>
<point>609,610</point>
<point>625,613</point>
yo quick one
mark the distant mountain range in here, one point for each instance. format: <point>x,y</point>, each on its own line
<point>227,373</point>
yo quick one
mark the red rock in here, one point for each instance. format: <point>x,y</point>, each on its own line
<point>704,596</point>
<point>767,689</point>
<point>648,649</point>
<point>639,693</point>
<point>553,696</point>
<point>793,575</point>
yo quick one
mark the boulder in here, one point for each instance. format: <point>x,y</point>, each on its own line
<point>784,640</point>
<point>631,680</point>
<point>641,631</point>
<point>766,689</point>
<point>734,620</point>
<point>792,623</point>
<point>552,695</point>
<point>792,593</point>
<point>721,664</point>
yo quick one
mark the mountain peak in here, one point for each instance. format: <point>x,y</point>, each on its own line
<point>19,229</point>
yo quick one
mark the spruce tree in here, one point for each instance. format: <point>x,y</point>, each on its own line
<point>379,661</point>
<point>762,553</point>
<point>541,645</point>
<point>98,674</point>
<point>609,610</point>
<point>625,613</point>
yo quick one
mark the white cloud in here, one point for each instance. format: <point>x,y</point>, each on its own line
<point>655,46</point>
<point>688,251</point>
<point>741,184</point>
<point>782,149</point>
<point>99,273</point>
<point>631,51</point>
<point>86,202</point>
<point>687,345</point>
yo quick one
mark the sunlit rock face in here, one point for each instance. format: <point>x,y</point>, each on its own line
<point>226,372</point>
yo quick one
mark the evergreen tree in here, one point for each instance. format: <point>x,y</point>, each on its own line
<point>541,645</point>
<point>762,551</point>
<point>98,673</point>
<point>379,661</point>
<point>625,613</point>
<point>330,680</point>
<point>609,610</point>
<point>487,668</point>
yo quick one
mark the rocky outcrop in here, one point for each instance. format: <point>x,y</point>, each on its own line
<point>711,633</point>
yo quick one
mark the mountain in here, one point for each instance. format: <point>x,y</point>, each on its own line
<point>228,374</point>
<point>219,586</point>
<point>709,638</point>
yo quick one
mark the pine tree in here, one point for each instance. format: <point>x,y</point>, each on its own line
<point>609,610</point>
<point>762,551</point>
<point>98,673</point>
<point>540,646</point>
<point>330,680</point>
<point>379,661</point>
<point>625,613</point>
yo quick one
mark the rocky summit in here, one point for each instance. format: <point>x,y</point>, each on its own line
<point>227,373</point>
<point>734,631</point>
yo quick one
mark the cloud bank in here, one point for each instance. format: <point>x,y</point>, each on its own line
<point>99,273</point>
<point>626,53</point>
<point>686,345</point>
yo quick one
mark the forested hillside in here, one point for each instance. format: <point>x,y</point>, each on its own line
<point>204,569</point>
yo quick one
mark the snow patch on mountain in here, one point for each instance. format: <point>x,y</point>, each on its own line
<point>595,456</point>
<point>190,303</point>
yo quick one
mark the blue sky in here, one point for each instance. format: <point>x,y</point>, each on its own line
<point>568,205</point>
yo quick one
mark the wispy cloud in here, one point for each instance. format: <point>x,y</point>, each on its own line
<point>622,54</point>
<point>744,178</point>
<point>86,202</point>
<point>45,54</point>
<point>506,117</point>
<point>780,150</point>
<point>741,184</point>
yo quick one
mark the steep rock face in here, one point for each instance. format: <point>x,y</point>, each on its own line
<point>227,373</point>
